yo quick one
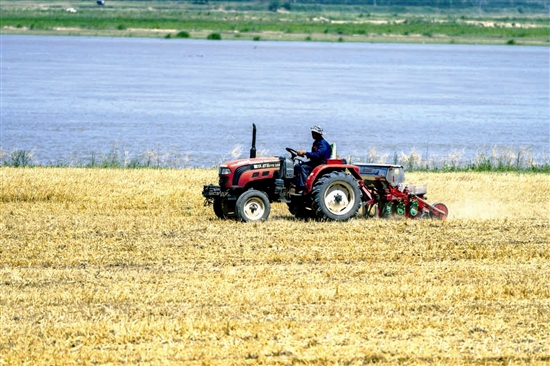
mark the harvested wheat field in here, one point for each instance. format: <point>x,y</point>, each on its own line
<point>101,266</point>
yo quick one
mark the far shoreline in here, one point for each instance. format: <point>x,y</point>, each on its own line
<point>271,36</point>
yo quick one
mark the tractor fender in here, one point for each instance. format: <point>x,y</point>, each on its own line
<point>323,169</point>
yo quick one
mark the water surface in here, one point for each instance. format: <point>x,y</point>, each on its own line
<point>194,101</point>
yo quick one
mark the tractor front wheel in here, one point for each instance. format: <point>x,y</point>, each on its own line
<point>336,196</point>
<point>253,205</point>
<point>223,208</point>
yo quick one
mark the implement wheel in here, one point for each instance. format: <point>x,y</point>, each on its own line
<point>439,215</point>
<point>336,196</point>
<point>253,205</point>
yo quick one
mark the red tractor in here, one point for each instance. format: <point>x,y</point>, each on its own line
<point>334,191</point>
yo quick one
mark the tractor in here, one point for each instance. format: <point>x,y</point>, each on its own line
<point>334,191</point>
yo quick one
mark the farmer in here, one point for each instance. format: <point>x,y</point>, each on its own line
<point>320,152</point>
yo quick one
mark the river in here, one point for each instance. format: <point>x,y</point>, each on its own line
<point>193,102</point>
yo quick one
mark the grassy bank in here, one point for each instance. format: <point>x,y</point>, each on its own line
<point>103,266</point>
<point>496,159</point>
<point>252,21</point>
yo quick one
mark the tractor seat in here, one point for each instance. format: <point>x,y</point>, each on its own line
<point>334,157</point>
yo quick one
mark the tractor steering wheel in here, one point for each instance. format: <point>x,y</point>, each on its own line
<point>293,153</point>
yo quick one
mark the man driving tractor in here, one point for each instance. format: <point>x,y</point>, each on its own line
<point>320,152</point>
<point>333,190</point>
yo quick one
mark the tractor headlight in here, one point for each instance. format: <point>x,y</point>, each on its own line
<point>225,171</point>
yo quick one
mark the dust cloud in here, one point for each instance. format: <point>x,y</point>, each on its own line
<point>495,209</point>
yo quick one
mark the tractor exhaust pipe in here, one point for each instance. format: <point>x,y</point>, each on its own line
<point>253,148</point>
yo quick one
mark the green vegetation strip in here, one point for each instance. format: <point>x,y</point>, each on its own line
<point>534,29</point>
<point>504,160</point>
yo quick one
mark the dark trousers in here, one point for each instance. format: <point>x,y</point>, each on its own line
<point>301,172</point>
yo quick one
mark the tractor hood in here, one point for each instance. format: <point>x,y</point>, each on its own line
<point>246,173</point>
<point>254,163</point>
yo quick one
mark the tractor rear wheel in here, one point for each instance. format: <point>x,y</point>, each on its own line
<point>253,205</point>
<point>298,208</point>
<point>336,196</point>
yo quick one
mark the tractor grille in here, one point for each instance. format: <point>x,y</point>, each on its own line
<point>223,181</point>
